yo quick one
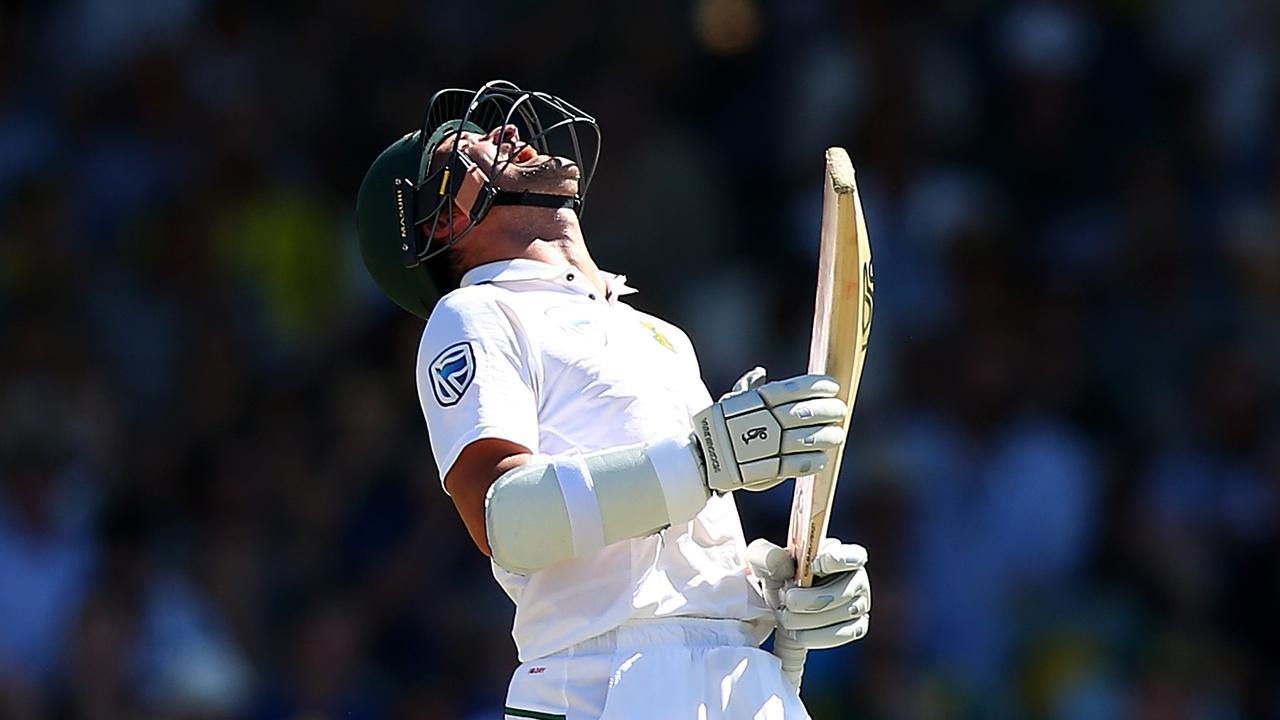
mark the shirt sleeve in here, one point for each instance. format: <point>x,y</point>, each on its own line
<point>477,376</point>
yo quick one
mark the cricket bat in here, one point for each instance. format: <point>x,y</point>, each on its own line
<point>838,347</point>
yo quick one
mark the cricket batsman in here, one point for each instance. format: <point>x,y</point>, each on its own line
<point>578,442</point>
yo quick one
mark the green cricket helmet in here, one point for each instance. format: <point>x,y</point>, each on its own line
<point>408,189</point>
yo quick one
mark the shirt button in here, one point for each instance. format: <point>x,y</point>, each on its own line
<point>569,277</point>
<point>591,295</point>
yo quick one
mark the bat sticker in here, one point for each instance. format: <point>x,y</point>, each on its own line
<point>452,372</point>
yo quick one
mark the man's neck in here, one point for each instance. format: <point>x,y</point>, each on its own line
<point>566,251</point>
<point>556,242</point>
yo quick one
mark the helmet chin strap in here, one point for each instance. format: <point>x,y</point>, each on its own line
<point>476,194</point>
<point>533,199</point>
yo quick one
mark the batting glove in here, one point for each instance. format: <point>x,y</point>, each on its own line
<point>760,434</point>
<point>834,611</point>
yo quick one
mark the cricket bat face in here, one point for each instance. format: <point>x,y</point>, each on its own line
<point>841,329</point>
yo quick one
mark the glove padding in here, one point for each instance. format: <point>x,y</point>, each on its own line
<point>760,434</point>
<point>834,611</point>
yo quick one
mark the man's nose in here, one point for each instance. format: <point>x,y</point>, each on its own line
<point>505,133</point>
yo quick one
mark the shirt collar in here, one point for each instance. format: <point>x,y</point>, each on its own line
<point>519,269</point>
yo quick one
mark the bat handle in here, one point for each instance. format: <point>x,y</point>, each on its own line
<point>792,654</point>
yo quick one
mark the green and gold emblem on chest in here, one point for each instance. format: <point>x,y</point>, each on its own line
<point>657,335</point>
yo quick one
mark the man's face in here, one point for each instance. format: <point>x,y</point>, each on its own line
<point>527,170</point>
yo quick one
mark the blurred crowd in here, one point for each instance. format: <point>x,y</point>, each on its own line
<point>217,498</point>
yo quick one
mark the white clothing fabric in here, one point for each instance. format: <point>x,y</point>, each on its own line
<point>527,352</point>
<point>684,669</point>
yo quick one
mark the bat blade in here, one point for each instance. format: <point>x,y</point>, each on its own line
<point>838,347</point>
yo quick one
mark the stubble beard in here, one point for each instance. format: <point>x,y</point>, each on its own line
<point>557,175</point>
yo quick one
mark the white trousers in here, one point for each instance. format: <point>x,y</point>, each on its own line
<point>682,669</point>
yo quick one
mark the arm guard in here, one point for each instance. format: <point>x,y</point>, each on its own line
<point>568,506</point>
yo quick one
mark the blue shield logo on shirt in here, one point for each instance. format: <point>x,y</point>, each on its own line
<point>452,372</point>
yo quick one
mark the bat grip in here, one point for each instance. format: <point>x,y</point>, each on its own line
<point>792,654</point>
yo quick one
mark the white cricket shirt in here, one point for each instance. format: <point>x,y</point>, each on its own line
<point>528,352</point>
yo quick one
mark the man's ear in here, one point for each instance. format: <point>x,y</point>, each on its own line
<point>443,228</point>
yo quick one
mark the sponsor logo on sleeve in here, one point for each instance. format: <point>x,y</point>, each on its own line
<point>452,372</point>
